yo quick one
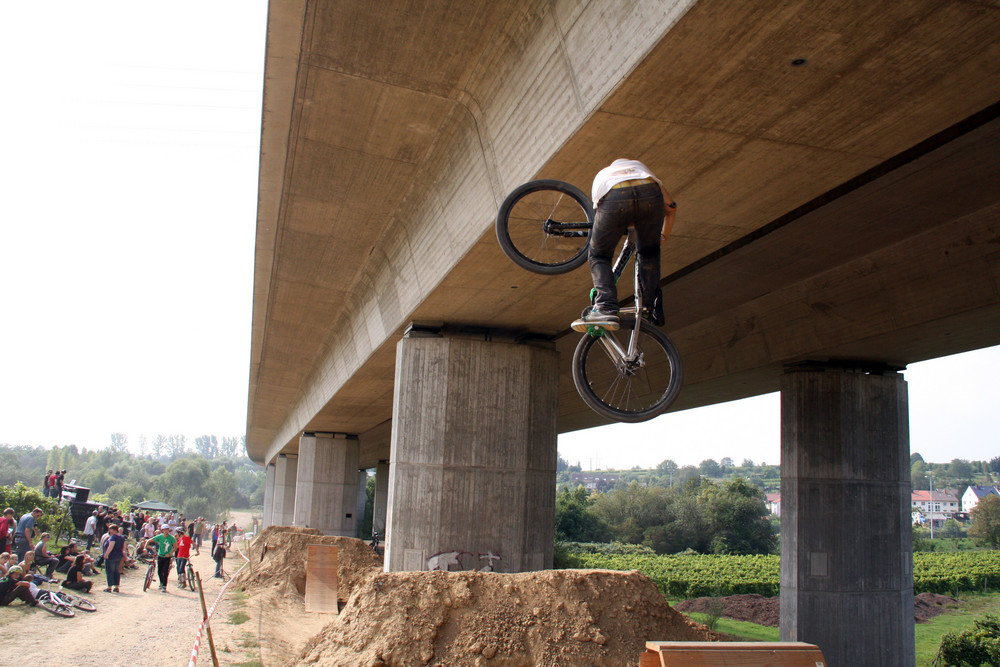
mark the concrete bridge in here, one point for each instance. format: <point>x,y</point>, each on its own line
<point>837,169</point>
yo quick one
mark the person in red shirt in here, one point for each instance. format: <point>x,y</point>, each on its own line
<point>182,553</point>
<point>8,524</point>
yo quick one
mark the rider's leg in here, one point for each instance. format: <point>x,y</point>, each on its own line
<point>649,211</point>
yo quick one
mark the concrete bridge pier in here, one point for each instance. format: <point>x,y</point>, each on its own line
<point>326,484</point>
<point>266,518</point>
<point>846,542</point>
<point>285,474</point>
<point>473,455</point>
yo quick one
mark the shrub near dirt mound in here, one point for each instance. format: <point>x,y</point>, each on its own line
<point>543,619</point>
<point>284,561</point>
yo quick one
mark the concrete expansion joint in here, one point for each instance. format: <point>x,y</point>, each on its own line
<point>858,366</point>
<point>472,332</point>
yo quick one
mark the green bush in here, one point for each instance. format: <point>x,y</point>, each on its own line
<point>979,645</point>
<point>24,499</point>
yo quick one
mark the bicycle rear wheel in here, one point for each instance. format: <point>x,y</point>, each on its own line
<point>544,226</point>
<point>628,391</point>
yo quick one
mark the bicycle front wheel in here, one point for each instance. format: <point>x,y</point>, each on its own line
<point>189,577</point>
<point>57,608</point>
<point>150,571</point>
<point>628,390</point>
<point>544,226</point>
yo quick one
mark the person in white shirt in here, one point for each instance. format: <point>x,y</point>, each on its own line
<point>89,528</point>
<point>627,194</point>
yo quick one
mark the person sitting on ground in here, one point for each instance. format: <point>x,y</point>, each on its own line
<point>67,555</point>
<point>74,579</point>
<point>12,588</point>
<point>219,555</point>
<point>4,563</point>
<point>44,557</point>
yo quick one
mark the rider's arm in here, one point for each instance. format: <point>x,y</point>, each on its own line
<point>671,212</point>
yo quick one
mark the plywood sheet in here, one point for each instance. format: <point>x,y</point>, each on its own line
<point>321,578</point>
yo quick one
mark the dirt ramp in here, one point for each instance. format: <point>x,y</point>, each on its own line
<point>543,619</point>
<point>282,564</point>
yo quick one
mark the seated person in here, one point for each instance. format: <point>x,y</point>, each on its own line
<point>12,588</point>
<point>74,579</point>
<point>67,556</point>
<point>28,564</point>
<point>44,557</point>
<point>4,563</point>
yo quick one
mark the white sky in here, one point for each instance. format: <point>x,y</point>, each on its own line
<point>129,146</point>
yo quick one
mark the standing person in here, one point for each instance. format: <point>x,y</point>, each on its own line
<point>219,555</point>
<point>627,194</point>
<point>165,543</point>
<point>90,529</point>
<point>199,531</point>
<point>25,532</point>
<point>215,537</point>
<point>113,553</point>
<point>60,479</point>
<point>7,526</point>
<point>45,484</point>
<point>182,553</point>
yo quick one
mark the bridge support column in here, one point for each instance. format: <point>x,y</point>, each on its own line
<point>473,453</point>
<point>846,553</point>
<point>282,509</point>
<point>266,518</point>
<point>326,483</point>
<point>381,497</point>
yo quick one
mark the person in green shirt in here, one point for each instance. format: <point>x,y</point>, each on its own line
<point>165,546</point>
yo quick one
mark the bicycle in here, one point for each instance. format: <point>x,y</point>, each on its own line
<point>187,578</point>
<point>544,226</point>
<point>150,574</point>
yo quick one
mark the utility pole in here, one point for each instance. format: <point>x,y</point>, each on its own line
<point>931,478</point>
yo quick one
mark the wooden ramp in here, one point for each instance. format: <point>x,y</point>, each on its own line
<point>731,654</point>
<point>321,579</point>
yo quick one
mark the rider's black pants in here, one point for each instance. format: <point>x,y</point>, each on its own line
<point>163,568</point>
<point>640,206</point>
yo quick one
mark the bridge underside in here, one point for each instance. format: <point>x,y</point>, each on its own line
<point>836,167</point>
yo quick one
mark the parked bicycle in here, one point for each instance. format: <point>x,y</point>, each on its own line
<point>631,375</point>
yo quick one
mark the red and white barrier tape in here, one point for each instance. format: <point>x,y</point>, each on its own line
<point>211,610</point>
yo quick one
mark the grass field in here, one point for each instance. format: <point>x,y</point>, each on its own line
<point>928,635</point>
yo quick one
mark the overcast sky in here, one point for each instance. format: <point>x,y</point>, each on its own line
<point>128,190</point>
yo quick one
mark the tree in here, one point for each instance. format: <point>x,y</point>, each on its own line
<point>994,464</point>
<point>747,463</point>
<point>986,521</point>
<point>230,447</point>
<point>960,469</point>
<point>737,518</point>
<point>221,489</point>
<point>710,468</point>
<point>119,442</point>
<point>175,445</point>
<point>726,462</point>
<point>914,457</point>
<point>159,445</point>
<point>207,446</point>
<point>574,520</point>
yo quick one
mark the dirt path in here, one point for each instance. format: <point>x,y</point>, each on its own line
<point>160,626</point>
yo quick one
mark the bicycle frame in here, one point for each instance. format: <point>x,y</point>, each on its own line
<point>622,357</point>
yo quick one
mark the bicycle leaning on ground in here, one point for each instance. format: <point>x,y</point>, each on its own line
<point>631,375</point>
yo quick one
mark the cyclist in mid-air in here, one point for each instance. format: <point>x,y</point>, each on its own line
<point>627,194</point>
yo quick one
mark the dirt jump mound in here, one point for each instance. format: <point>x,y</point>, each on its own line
<point>548,618</point>
<point>278,560</point>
